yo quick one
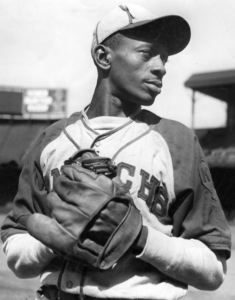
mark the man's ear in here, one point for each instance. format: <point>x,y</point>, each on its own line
<point>102,57</point>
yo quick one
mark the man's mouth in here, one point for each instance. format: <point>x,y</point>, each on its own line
<point>155,82</point>
<point>154,85</point>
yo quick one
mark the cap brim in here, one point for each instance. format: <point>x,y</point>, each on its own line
<point>171,30</point>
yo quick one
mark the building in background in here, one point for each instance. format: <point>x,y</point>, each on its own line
<point>24,114</point>
<point>219,143</point>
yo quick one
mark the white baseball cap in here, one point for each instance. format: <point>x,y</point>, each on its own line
<point>173,30</point>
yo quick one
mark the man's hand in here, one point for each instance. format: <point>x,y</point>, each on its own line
<point>93,220</point>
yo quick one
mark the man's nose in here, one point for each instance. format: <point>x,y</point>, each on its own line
<point>158,67</point>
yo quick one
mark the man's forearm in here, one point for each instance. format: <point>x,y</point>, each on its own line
<point>26,256</point>
<point>189,261</point>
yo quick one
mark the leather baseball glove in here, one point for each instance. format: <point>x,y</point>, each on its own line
<point>94,220</point>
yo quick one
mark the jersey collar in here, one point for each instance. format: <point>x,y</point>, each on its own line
<point>108,123</point>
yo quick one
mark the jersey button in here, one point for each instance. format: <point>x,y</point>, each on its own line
<point>69,284</point>
<point>97,144</point>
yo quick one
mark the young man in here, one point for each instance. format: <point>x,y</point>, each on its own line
<point>185,239</point>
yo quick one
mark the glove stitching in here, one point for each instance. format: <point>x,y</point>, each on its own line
<point>99,259</point>
<point>70,234</point>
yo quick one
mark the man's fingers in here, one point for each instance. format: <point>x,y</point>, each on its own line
<point>49,232</point>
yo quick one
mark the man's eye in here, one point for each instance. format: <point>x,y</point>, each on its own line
<point>146,53</point>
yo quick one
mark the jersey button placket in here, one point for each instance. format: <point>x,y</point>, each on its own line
<point>69,284</point>
<point>98,143</point>
<point>96,146</point>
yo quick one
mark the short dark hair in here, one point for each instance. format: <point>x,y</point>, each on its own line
<point>113,41</point>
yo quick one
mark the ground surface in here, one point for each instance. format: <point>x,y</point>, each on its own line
<point>13,288</point>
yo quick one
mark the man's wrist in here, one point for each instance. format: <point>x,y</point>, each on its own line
<point>140,241</point>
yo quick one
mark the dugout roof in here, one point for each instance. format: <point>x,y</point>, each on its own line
<point>218,144</point>
<point>219,84</point>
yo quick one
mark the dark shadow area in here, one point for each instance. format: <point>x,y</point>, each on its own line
<point>224,181</point>
<point>9,176</point>
<point>16,138</point>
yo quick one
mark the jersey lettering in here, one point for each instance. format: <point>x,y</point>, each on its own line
<point>156,197</point>
<point>131,172</point>
<point>154,194</point>
<point>149,186</point>
<point>161,201</point>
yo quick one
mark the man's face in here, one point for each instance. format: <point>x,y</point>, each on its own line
<point>137,69</point>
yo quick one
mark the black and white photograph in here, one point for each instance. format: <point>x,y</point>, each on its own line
<point>117,149</point>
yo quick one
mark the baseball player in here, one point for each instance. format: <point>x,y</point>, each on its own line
<point>115,201</point>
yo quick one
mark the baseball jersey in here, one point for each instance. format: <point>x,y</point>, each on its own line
<point>163,166</point>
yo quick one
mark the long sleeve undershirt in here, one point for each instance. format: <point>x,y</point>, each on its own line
<point>189,261</point>
<point>26,256</point>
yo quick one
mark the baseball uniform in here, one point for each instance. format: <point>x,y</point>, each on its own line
<point>163,166</point>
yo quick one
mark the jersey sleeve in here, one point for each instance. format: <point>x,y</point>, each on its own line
<point>197,211</point>
<point>32,188</point>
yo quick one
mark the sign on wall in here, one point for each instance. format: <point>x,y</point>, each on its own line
<point>39,101</point>
<point>33,103</point>
<point>11,101</point>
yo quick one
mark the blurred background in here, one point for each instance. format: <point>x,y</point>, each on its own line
<point>47,73</point>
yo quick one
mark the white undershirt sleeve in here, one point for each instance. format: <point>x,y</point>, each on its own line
<point>189,261</point>
<point>26,256</point>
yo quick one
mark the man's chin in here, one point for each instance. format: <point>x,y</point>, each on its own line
<point>145,99</point>
<point>150,100</point>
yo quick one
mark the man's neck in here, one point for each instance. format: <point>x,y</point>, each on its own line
<point>104,104</point>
